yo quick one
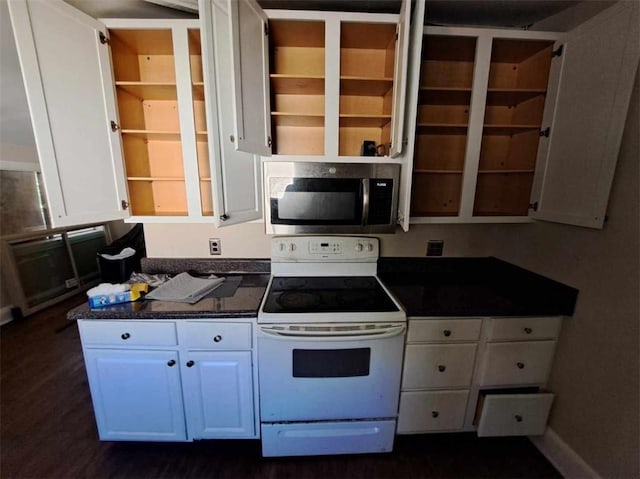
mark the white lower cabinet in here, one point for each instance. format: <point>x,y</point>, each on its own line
<point>218,394</point>
<point>136,394</point>
<point>159,381</point>
<point>422,411</point>
<point>477,374</point>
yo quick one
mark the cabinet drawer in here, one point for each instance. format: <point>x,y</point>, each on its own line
<point>501,329</point>
<point>514,414</point>
<point>438,365</point>
<point>432,330</point>
<point>128,333</point>
<point>423,411</point>
<point>517,363</point>
<point>213,335</point>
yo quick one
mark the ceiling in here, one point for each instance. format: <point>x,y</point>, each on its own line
<point>500,13</point>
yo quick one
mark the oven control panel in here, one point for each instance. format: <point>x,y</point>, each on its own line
<point>324,249</point>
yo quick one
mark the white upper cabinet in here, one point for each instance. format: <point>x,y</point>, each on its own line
<point>515,125</point>
<point>237,183</point>
<point>67,76</point>
<point>586,114</point>
<point>250,51</point>
<point>401,66</point>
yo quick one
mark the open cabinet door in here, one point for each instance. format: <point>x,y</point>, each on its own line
<point>236,178</point>
<point>400,81</point>
<point>410,116</point>
<point>250,51</point>
<point>68,81</point>
<point>586,112</point>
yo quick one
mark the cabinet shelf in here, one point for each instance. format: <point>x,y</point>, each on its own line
<point>296,119</point>
<point>198,91</point>
<point>149,135</point>
<point>503,172</point>
<point>512,96</point>
<point>297,84</point>
<point>438,172</point>
<point>364,121</point>
<point>149,90</point>
<point>507,129</point>
<point>365,86</point>
<point>155,178</point>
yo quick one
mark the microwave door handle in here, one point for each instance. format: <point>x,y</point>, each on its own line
<point>365,201</point>
<point>335,336</point>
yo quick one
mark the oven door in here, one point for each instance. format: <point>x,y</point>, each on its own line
<point>323,372</point>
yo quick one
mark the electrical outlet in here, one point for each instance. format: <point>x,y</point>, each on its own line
<point>435,247</point>
<point>215,246</point>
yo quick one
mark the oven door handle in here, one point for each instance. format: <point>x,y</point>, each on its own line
<point>332,335</point>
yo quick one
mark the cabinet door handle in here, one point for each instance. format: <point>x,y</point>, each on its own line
<point>125,336</point>
<point>217,339</point>
<point>447,332</point>
<point>441,368</point>
<point>435,414</point>
<point>518,418</point>
<point>190,364</point>
<point>520,365</point>
<point>528,330</point>
<point>172,362</point>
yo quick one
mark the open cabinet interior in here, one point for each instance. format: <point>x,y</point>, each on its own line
<point>518,78</point>
<point>367,62</point>
<point>297,55</point>
<point>144,67</point>
<point>443,118</point>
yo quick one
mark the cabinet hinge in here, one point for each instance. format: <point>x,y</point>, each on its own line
<point>269,142</point>
<point>125,204</point>
<point>114,126</point>
<point>545,132</point>
<point>557,52</point>
<point>533,206</point>
<point>224,217</point>
<point>103,38</point>
<point>266,29</point>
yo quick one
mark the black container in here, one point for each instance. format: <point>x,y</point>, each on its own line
<point>119,270</point>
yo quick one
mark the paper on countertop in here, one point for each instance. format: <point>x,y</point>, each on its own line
<point>125,253</point>
<point>184,288</point>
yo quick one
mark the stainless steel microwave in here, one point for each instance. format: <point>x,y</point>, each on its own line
<point>342,198</point>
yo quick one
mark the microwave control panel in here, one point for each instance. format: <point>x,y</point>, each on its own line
<point>324,248</point>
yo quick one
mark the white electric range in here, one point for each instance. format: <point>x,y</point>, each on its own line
<point>330,347</point>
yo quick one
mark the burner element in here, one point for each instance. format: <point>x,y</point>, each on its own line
<point>355,297</point>
<point>298,300</point>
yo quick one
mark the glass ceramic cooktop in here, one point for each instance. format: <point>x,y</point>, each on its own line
<point>327,294</point>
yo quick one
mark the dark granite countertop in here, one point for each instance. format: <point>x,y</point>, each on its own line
<point>243,304</point>
<point>424,286</point>
<point>473,287</point>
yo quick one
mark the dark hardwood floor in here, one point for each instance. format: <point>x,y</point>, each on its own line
<point>48,430</point>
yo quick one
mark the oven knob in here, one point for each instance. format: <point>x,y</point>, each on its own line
<point>359,247</point>
<point>283,247</point>
<point>369,247</point>
<point>292,247</point>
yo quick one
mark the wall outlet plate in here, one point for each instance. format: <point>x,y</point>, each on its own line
<point>435,247</point>
<point>215,246</point>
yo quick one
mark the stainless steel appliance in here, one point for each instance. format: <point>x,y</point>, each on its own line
<point>330,346</point>
<point>329,198</point>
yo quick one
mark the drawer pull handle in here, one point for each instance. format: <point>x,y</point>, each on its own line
<point>190,364</point>
<point>518,418</point>
<point>520,365</point>
<point>217,339</point>
<point>435,414</point>
<point>125,336</point>
<point>441,368</point>
<point>528,330</point>
<point>447,332</point>
<point>172,362</point>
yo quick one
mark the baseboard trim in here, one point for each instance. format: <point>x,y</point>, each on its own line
<point>567,461</point>
<point>5,315</point>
